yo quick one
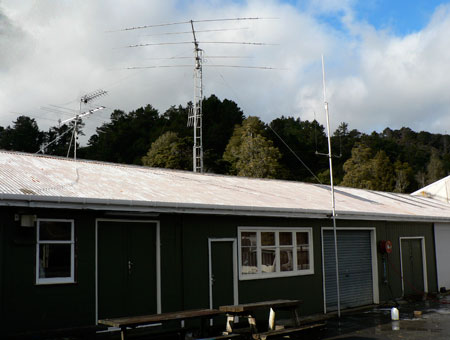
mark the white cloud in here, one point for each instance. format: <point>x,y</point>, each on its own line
<point>54,52</point>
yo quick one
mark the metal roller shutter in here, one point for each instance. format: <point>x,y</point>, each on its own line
<point>355,268</point>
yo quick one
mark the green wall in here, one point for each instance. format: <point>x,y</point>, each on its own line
<point>26,306</point>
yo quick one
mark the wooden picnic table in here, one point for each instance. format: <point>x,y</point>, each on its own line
<point>133,321</point>
<point>248,309</point>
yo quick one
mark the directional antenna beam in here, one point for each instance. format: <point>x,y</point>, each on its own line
<point>93,95</point>
<point>195,110</point>
<point>188,22</point>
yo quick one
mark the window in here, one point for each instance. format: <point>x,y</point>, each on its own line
<point>270,252</point>
<point>55,251</point>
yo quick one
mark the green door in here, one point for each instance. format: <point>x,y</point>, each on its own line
<point>222,278</point>
<point>222,275</point>
<point>412,267</point>
<point>126,269</point>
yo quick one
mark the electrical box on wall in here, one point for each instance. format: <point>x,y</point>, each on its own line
<point>27,220</point>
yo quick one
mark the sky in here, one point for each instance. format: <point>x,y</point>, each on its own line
<point>386,61</point>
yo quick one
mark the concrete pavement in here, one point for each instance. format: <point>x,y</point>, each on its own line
<point>375,323</point>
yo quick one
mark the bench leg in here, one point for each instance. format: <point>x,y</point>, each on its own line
<point>252,323</point>
<point>123,333</point>
<point>295,317</point>
<point>272,319</point>
<point>230,323</point>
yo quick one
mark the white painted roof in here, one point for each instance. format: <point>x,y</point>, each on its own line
<point>44,181</point>
<point>439,190</point>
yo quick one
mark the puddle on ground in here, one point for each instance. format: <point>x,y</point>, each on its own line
<point>414,325</point>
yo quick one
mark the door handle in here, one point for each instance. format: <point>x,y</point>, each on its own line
<point>213,280</point>
<point>130,266</point>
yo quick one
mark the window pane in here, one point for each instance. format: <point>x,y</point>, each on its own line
<point>55,231</point>
<point>285,239</point>
<point>286,260</point>
<point>302,238</point>
<point>54,260</point>
<point>268,260</point>
<point>267,239</point>
<point>248,239</point>
<point>249,265</point>
<point>303,258</point>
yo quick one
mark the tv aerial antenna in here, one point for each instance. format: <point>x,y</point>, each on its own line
<point>195,112</point>
<point>84,100</point>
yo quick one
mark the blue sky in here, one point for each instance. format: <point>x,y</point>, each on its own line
<point>399,16</point>
<point>386,61</point>
<point>402,16</point>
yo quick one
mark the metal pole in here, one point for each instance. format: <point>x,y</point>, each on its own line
<point>333,202</point>
<point>197,114</point>
<point>75,141</point>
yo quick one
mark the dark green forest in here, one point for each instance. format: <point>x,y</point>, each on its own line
<point>286,148</point>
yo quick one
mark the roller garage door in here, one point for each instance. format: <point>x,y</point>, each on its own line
<point>355,268</point>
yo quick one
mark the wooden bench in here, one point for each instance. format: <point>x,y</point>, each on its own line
<point>284,332</point>
<point>134,321</point>
<point>222,337</point>
<point>247,310</point>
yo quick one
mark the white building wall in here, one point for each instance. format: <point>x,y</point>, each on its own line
<point>442,239</point>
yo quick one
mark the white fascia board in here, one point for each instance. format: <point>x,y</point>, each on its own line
<point>34,201</point>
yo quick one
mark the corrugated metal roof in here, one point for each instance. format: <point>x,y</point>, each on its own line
<point>439,190</point>
<point>44,181</point>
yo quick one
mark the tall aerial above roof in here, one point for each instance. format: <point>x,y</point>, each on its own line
<point>195,113</point>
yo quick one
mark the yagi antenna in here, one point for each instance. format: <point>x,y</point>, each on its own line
<point>205,57</point>
<point>226,66</point>
<point>93,95</point>
<point>84,114</point>
<point>200,31</point>
<point>203,42</point>
<point>195,109</point>
<point>186,22</point>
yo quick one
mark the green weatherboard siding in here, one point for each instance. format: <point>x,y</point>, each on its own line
<point>126,269</point>
<point>184,267</point>
<point>29,307</point>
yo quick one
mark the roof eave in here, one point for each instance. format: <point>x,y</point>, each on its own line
<point>34,201</point>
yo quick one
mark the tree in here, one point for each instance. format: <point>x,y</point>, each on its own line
<point>342,143</point>
<point>251,154</point>
<point>435,168</point>
<point>219,121</point>
<point>296,140</point>
<point>382,172</point>
<point>169,151</point>
<point>357,168</point>
<point>367,172</point>
<point>23,136</point>
<point>403,176</point>
<point>127,137</point>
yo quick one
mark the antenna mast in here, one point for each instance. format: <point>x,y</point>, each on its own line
<point>195,111</point>
<point>195,114</point>
<point>333,202</point>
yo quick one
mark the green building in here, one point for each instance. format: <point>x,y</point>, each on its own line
<point>84,240</point>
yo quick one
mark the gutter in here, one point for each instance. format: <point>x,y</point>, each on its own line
<point>58,202</point>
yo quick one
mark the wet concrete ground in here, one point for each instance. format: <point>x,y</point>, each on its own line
<point>363,324</point>
<point>375,323</point>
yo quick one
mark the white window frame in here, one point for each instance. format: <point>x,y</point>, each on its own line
<point>56,280</point>
<point>278,273</point>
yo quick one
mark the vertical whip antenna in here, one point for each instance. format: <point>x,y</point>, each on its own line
<point>333,202</point>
